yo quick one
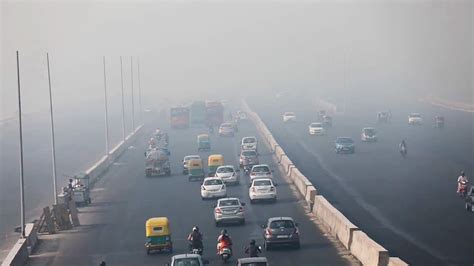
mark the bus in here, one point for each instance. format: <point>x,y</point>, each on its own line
<point>179,117</point>
<point>214,113</point>
<point>197,114</point>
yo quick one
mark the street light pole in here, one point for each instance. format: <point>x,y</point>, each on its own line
<point>133,101</point>
<point>140,92</point>
<point>106,112</point>
<point>53,142</point>
<point>123,100</point>
<point>22,183</point>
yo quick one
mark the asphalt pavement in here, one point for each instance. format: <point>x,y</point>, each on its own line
<point>113,227</point>
<point>408,205</point>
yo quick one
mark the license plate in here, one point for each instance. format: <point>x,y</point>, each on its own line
<point>282,236</point>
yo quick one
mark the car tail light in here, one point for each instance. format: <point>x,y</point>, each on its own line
<point>272,189</point>
<point>218,210</point>
<point>253,189</point>
<point>241,209</point>
<point>203,188</point>
<point>268,233</point>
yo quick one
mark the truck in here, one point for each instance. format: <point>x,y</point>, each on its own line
<point>197,114</point>
<point>214,113</point>
<point>157,162</point>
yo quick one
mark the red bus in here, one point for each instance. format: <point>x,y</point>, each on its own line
<point>179,117</point>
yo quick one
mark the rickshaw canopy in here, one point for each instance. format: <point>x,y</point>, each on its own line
<point>215,160</point>
<point>157,226</point>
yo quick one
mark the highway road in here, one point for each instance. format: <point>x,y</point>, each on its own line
<point>407,205</point>
<point>123,199</point>
<point>80,142</point>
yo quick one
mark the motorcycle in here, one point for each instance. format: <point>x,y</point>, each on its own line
<point>463,189</point>
<point>225,253</point>
<point>403,151</point>
<point>247,169</point>
<point>195,249</point>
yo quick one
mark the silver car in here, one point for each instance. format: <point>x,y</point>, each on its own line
<point>228,174</point>
<point>229,210</point>
<point>281,231</point>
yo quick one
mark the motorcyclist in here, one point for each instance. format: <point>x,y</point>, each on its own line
<point>462,182</point>
<point>403,147</point>
<point>252,249</point>
<point>224,241</point>
<point>195,239</point>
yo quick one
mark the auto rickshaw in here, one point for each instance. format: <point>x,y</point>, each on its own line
<point>158,235</point>
<point>213,162</point>
<point>204,143</point>
<point>439,121</point>
<point>195,169</point>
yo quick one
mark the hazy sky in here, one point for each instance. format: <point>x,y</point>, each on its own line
<point>200,49</point>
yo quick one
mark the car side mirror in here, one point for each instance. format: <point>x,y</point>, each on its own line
<point>275,184</point>
<point>250,185</point>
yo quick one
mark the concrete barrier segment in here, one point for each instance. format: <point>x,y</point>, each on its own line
<point>367,251</point>
<point>395,261</point>
<point>18,255</point>
<point>337,224</point>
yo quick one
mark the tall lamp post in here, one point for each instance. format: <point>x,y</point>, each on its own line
<point>133,100</point>
<point>106,112</point>
<point>53,142</point>
<point>123,100</point>
<point>22,183</point>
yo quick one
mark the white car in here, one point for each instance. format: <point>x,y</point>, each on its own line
<point>186,160</point>
<point>187,259</point>
<point>213,187</point>
<point>228,174</point>
<point>262,189</point>
<point>249,143</point>
<point>261,171</point>
<point>369,134</point>
<point>316,129</point>
<point>226,129</point>
<point>289,117</point>
<point>415,119</point>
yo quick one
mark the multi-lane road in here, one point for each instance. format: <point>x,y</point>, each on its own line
<point>113,227</point>
<point>407,205</point>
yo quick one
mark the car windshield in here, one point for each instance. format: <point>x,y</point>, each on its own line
<point>260,169</point>
<point>369,131</point>
<point>187,262</point>
<point>249,153</point>
<point>262,183</point>
<point>226,125</point>
<point>227,203</point>
<point>415,115</point>
<point>187,158</point>
<point>281,224</point>
<point>250,140</point>
<point>289,114</point>
<point>225,170</point>
<point>345,140</point>
<point>316,125</point>
<point>213,182</point>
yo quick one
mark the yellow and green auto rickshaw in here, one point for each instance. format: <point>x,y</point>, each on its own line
<point>204,143</point>
<point>158,235</point>
<point>195,169</point>
<point>213,162</point>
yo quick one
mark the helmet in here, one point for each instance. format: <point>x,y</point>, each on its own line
<point>196,228</point>
<point>252,242</point>
<point>224,232</point>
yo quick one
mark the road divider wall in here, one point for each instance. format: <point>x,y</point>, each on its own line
<point>361,246</point>
<point>20,252</point>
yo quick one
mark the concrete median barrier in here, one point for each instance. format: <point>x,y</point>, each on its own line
<point>286,163</point>
<point>311,193</point>
<point>18,255</point>
<point>337,224</point>
<point>367,251</point>
<point>279,152</point>
<point>31,233</point>
<point>395,261</point>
